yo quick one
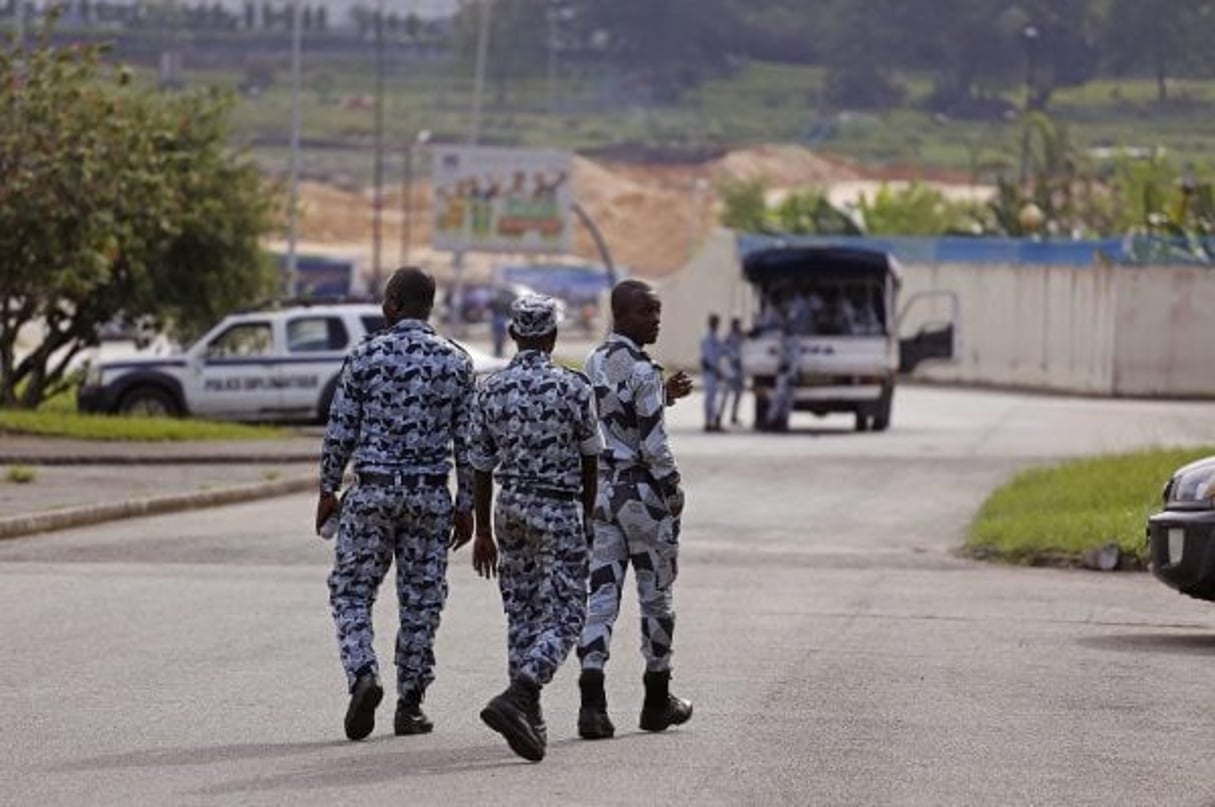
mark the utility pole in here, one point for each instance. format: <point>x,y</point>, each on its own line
<point>378,193</point>
<point>479,78</point>
<point>293,159</point>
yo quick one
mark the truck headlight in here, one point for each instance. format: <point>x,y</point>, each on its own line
<point>1193,483</point>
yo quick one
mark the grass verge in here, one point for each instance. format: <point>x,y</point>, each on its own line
<point>53,423</point>
<point>1052,515</point>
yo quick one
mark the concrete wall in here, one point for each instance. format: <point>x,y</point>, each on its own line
<point>1095,329</point>
<point>1164,342</point>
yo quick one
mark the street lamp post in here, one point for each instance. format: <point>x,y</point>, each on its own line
<point>1029,38</point>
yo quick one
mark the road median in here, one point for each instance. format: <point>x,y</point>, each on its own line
<point>66,518</point>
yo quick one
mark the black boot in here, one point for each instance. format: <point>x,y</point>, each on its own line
<point>365,695</point>
<point>593,720</point>
<point>662,709</point>
<point>513,715</point>
<point>410,719</point>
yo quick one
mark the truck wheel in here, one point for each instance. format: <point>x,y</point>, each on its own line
<point>863,421</point>
<point>881,417</point>
<point>148,402</point>
<point>761,414</point>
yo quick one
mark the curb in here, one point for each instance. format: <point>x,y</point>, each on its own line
<point>161,459</point>
<point>156,505</point>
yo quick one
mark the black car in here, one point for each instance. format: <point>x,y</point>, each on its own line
<point>1181,537</point>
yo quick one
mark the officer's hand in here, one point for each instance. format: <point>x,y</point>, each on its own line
<point>326,506</point>
<point>675,503</point>
<point>462,527</point>
<point>678,386</point>
<point>485,555</point>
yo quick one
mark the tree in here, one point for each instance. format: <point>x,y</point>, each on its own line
<point>664,46</point>
<point>114,202</point>
<point>1158,36</point>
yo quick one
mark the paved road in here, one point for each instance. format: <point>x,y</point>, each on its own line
<point>837,651</point>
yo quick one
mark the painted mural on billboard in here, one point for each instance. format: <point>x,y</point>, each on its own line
<point>501,200</point>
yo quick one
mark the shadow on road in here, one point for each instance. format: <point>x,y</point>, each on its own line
<point>207,755</point>
<point>403,761</point>
<point>1189,644</point>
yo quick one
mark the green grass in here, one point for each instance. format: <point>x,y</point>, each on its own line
<point>1056,513</point>
<point>20,475</point>
<point>54,422</point>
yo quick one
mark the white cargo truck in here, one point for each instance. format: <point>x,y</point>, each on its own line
<point>824,334</point>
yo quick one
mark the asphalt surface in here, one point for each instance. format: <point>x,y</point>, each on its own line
<point>837,649</point>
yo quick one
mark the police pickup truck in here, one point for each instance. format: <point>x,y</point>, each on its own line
<point>273,364</point>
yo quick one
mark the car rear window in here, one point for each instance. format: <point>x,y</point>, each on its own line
<point>316,334</point>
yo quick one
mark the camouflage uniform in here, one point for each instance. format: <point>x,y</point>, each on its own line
<point>712,350</point>
<point>639,487</point>
<point>532,424</point>
<point>735,380</point>
<point>402,409</point>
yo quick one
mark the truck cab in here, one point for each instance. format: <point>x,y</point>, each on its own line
<point>824,334</point>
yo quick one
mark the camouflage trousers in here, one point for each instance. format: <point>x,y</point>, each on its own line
<point>632,526</point>
<point>542,576</point>
<point>377,525</point>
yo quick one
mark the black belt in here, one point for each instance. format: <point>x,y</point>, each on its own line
<point>547,493</point>
<point>629,473</point>
<point>400,480</point>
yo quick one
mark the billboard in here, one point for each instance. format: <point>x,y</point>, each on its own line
<point>501,200</point>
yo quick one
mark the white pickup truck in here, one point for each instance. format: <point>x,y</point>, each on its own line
<point>273,364</point>
<point>834,312</point>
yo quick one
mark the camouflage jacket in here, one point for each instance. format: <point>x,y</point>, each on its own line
<point>533,421</point>
<point>403,405</point>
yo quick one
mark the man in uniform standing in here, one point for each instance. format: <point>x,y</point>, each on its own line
<point>711,353</point>
<point>735,380</point>
<point>402,411</point>
<point>636,518</point>
<point>535,425</point>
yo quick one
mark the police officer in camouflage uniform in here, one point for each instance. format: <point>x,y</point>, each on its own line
<point>636,518</point>
<point>534,424</point>
<point>402,412</point>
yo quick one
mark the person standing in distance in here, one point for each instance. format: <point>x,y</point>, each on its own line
<point>636,517</point>
<point>534,426</point>
<point>711,354</point>
<point>735,380</point>
<point>402,412</point>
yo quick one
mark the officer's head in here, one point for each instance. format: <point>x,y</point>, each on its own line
<point>714,321</point>
<point>636,311</point>
<point>410,294</point>
<point>533,322</point>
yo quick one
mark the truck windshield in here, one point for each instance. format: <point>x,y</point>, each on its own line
<point>823,307</point>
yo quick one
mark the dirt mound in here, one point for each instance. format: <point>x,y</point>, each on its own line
<point>652,216</point>
<point>782,166</point>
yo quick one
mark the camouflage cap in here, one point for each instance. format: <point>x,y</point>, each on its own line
<point>533,315</point>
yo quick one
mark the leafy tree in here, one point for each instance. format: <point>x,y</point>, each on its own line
<point>981,48</point>
<point>114,202</point>
<point>664,46</point>
<point>745,205</point>
<point>1159,37</point>
<point>914,210</point>
<point>856,41</point>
